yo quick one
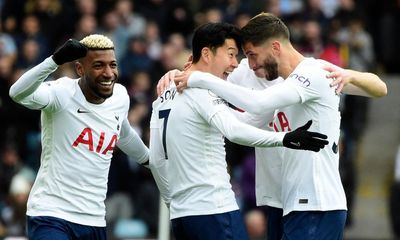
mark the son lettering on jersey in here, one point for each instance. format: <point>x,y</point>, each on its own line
<point>169,94</point>
<point>86,138</point>
<point>283,122</point>
<point>305,81</point>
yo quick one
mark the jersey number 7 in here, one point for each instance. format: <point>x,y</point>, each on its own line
<point>164,114</point>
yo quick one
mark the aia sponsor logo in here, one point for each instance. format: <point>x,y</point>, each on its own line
<point>282,125</point>
<point>85,138</point>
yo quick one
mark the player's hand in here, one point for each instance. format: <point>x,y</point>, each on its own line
<point>188,64</point>
<point>71,50</point>
<point>165,80</point>
<point>339,75</point>
<point>305,140</point>
<point>181,80</point>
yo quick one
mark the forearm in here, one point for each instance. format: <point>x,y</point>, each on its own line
<point>258,121</point>
<point>365,84</point>
<point>244,134</point>
<point>132,145</point>
<point>30,81</point>
<point>253,101</point>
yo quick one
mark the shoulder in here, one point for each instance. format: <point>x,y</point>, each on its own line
<point>64,84</point>
<point>120,89</point>
<point>120,92</point>
<point>309,72</point>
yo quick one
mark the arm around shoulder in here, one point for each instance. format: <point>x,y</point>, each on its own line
<point>369,83</point>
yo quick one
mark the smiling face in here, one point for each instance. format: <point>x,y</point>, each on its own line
<point>224,59</point>
<point>98,72</point>
<point>262,60</point>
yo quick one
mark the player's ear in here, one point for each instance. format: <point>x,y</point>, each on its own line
<point>205,54</point>
<point>79,69</point>
<point>276,47</point>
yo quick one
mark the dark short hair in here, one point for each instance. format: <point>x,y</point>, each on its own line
<point>263,27</point>
<point>213,36</point>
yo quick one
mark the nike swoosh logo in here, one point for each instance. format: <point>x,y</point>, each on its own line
<point>295,144</point>
<point>82,111</point>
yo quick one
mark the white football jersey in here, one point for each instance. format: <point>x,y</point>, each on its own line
<point>198,178</point>
<point>158,152</point>
<point>311,180</point>
<point>78,139</point>
<point>268,160</point>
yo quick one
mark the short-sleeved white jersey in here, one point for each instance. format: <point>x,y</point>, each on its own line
<point>78,139</point>
<point>268,160</point>
<point>311,180</point>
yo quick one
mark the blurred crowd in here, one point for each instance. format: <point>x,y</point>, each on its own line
<point>152,37</point>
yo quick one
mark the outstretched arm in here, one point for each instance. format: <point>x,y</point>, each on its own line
<point>354,82</point>
<point>253,101</point>
<point>30,81</point>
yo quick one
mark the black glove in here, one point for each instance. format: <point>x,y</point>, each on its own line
<point>71,50</point>
<point>305,140</point>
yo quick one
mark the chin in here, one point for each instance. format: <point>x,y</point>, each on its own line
<point>105,95</point>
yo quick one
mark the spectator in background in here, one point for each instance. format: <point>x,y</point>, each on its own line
<point>10,165</point>
<point>31,29</point>
<point>49,13</point>
<point>86,25</point>
<point>153,40</point>
<point>312,11</point>
<point>139,87</point>
<point>213,15</point>
<point>256,223</point>
<point>14,128</point>
<point>131,25</point>
<point>109,24</point>
<point>357,50</point>
<point>29,55</point>
<point>311,44</point>
<point>15,183</point>
<point>8,56</point>
<point>346,10</point>
<point>135,58</point>
<point>179,19</point>
<point>154,10</point>
<point>8,48</point>
<point>178,42</point>
<point>242,19</point>
<point>231,9</point>
<point>166,62</point>
<point>315,43</point>
<point>84,7</point>
<point>357,45</point>
<point>13,214</point>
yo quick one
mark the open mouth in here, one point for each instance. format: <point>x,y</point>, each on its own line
<point>106,83</point>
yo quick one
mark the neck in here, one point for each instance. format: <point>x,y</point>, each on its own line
<point>90,96</point>
<point>293,60</point>
<point>199,67</point>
